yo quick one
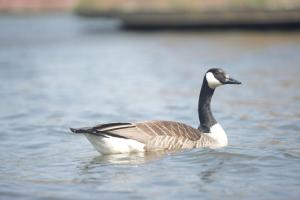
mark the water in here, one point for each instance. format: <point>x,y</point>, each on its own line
<point>60,71</point>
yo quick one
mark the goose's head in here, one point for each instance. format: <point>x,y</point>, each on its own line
<point>216,77</point>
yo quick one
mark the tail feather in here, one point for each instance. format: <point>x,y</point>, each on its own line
<point>94,131</point>
<point>100,128</point>
<point>82,130</point>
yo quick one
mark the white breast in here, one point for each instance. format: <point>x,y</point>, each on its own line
<point>113,145</point>
<point>219,135</point>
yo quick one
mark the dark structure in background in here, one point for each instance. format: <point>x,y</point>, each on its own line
<point>174,13</point>
<point>196,13</point>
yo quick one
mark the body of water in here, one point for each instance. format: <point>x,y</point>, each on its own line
<point>60,71</point>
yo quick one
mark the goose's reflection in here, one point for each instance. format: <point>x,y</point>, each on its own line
<point>127,159</point>
<point>102,168</point>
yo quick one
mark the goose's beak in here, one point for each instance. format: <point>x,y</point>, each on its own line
<point>231,81</point>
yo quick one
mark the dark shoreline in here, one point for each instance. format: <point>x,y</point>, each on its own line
<point>247,20</point>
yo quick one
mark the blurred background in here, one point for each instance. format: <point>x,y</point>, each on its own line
<point>172,13</point>
<point>73,63</point>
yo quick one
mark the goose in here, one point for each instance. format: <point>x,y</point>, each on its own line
<point>128,137</point>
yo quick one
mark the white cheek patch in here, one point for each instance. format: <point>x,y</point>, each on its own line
<point>212,81</point>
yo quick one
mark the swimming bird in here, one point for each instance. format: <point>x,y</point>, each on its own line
<point>145,136</point>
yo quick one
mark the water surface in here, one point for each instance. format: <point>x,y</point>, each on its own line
<point>60,71</point>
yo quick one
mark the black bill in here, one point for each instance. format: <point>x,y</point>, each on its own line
<point>232,81</point>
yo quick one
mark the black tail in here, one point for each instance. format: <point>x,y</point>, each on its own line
<point>98,129</point>
<point>94,131</point>
<point>82,130</point>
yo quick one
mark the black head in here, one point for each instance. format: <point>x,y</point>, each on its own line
<point>216,77</point>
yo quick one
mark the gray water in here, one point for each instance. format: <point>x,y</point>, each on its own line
<point>60,71</point>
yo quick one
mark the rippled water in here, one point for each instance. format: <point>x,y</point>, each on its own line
<point>59,71</point>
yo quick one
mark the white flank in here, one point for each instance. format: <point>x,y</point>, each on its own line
<point>219,135</point>
<point>113,145</point>
<point>212,81</point>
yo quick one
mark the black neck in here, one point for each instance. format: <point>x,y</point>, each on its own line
<point>204,111</point>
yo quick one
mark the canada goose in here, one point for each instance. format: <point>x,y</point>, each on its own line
<point>164,135</point>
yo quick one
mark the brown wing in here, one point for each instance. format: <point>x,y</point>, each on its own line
<point>169,135</point>
<point>169,128</point>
